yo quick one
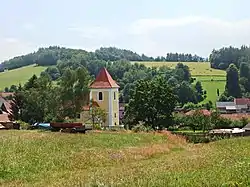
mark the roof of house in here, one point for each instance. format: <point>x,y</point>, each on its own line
<point>7,104</point>
<point>87,107</point>
<point>204,112</point>
<point>224,104</point>
<point>230,107</point>
<point>236,116</point>
<point>242,101</point>
<point>4,117</point>
<point>104,80</point>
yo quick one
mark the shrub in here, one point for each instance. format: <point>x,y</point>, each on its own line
<point>24,126</point>
<point>173,128</point>
<point>141,128</point>
<point>97,127</point>
<point>244,121</point>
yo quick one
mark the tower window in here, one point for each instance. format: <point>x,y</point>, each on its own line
<point>100,96</point>
<point>114,96</point>
<point>115,115</point>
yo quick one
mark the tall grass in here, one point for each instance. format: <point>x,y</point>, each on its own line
<point>120,159</point>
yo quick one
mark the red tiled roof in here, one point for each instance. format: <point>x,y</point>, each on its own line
<point>87,107</point>
<point>235,116</point>
<point>104,80</point>
<point>204,112</point>
<point>242,101</point>
<point>4,117</point>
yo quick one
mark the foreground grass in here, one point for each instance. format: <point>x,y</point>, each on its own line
<point>120,159</point>
<point>20,75</point>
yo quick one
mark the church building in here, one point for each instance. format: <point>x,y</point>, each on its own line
<point>104,93</point>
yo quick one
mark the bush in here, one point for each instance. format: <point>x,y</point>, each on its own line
<point>173,128</point>
<point>97,127</point>
<point>141,128</point>
<point>244,121</point>
<point>24,126</point>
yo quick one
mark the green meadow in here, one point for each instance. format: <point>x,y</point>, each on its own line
<point>211,79</point>
<point>33,158</point>
<point>20,75</point>
<point>196,68</point>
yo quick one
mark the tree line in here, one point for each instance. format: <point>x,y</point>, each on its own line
<point>42,99</point>
<point>53,55</point>
<point>127,74</point>
<point>222,58</point>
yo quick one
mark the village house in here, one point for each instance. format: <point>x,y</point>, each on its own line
<point>104,93</point>
<point>5,110</point>
<point>239,105</point>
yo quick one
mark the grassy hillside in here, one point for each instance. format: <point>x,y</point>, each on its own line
<point>20,75</point>
<point>196,68</point>
<point>211,79</point>
<point>120,159</point>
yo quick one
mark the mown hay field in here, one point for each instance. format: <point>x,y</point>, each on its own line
<point>196,68</point>
<point>20,75</point>
<point>33,158</point>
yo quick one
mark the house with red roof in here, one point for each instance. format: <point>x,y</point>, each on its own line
<point>104,93</point>
<point>239,105</point>
<point>5,110</point>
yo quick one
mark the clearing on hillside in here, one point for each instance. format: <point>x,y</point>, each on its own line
<point>20,75</point>
<point>196,68</point>
<point>211,79</point>
<point>30,158</point>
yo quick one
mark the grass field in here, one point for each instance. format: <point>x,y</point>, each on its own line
<point>120,159</point>
<point>21,75</point>
<point>196,68</point>
<point>211,84</point>
<point>211,79</point>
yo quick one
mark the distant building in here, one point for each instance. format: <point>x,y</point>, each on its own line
<point>239,105</point>
<point>203,111</point>
<point>104,94</point>
<point>5,110</point>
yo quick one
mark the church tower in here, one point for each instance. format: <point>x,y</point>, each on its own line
<point>104,91</point>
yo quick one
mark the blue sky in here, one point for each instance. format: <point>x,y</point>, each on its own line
<point>150,27</point>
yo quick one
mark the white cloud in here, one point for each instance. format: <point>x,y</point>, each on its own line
<point>188,34</point>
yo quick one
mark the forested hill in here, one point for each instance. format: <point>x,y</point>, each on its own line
<point>222,58</point>
<point>52,55</point>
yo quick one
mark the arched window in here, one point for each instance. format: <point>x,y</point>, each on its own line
<point>100,96</point>
<point>114,96</point>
